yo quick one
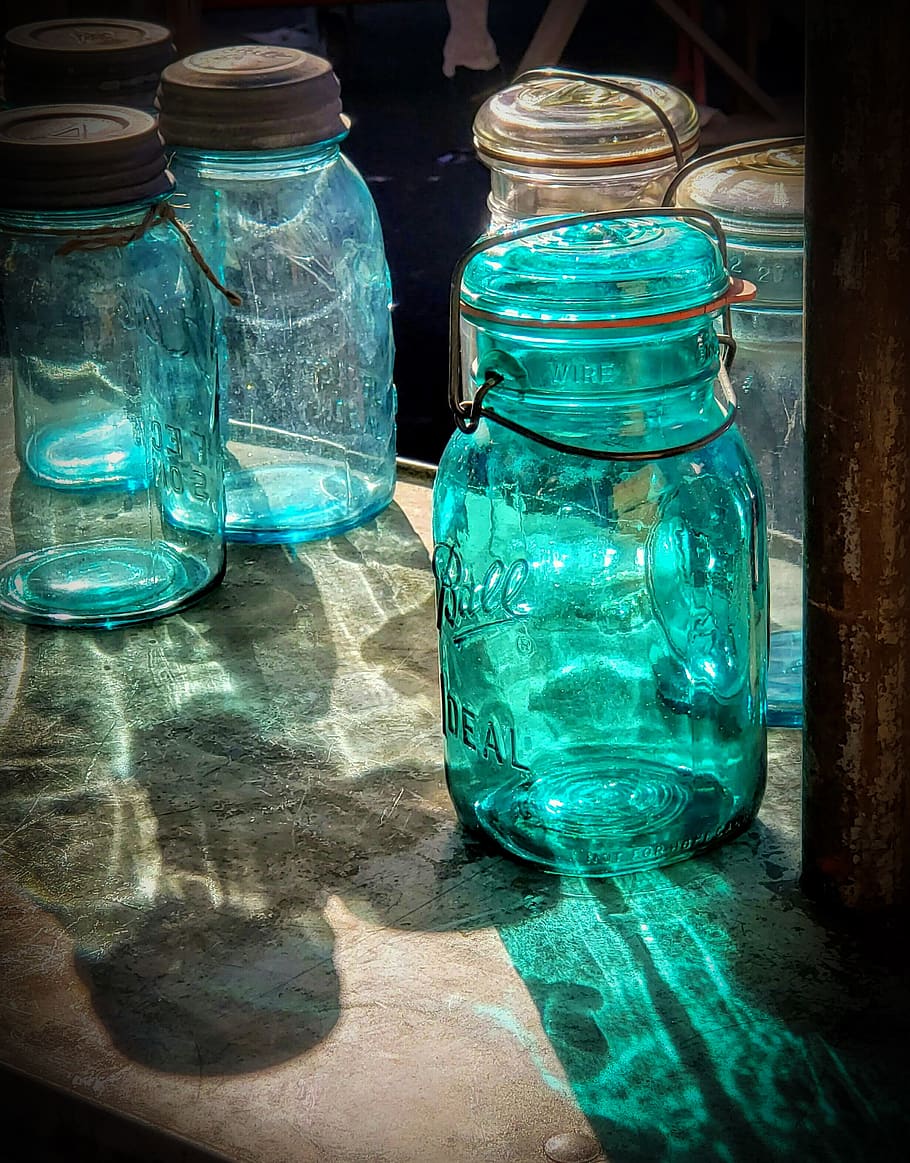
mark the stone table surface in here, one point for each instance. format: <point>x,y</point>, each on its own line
<point>236,908</point>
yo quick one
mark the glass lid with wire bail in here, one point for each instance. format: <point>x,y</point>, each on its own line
<point>591,307</point>
<point>563,142</point>
<point>561,120</point>
<point>756,193</point>
<point>630,271</point>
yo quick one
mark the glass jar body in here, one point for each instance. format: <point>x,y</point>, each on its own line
<point>117,512</point>
<point>602,648</point>
<point>768,375</point>
<point>308,403</point>
<point>521,192</point>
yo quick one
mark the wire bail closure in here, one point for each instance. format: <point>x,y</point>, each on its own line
<point>718,155</point>
<point>469,412</point>
<point>550,72</point>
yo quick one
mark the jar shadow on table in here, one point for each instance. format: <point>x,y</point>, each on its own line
<point>187,798</point>
<point>702,1011</point>
<point>698,1012</point>
<point>141,768</point>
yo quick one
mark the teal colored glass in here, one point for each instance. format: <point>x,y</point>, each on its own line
<point>602,623</point>
<point>117,513</point>
<point>308,403</point>
<point>768,375</point>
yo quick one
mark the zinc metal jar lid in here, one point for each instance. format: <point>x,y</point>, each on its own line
<point>573,124</point>
<point>626,272</point>
<point>757,195</point>
<point>67,157</point>
<point>250,97</point>
<point>85,60</point>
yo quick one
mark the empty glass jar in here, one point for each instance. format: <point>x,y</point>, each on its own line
<point>117,512</point>
<point>599,552</point>
<point>308,403</point>
<point>100,61</point>
<point>558,142</point>
<point>756,191</point>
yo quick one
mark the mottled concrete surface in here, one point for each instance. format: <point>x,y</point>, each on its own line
<point>236,905</point>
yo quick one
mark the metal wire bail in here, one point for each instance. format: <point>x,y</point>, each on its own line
<point>550,72</point>
<point>729,151</point>
<point>467,413</point>
<point>718,155</point>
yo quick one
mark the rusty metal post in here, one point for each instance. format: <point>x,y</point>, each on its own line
<point>856,766</point>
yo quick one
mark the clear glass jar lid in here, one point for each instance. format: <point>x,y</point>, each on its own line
<point>757,195</point>
<point>568,123</point>
<point>626,272</point>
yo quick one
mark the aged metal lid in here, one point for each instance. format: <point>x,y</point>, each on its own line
<point>62,157</point>
<point>757,194</point>
<point>571,123</point>
<point>116,61</point>
<point>250,97</point>
<point>622,272</point>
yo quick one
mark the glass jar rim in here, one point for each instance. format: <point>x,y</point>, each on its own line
<point>572,121</point>
<point>57,216</point>
<point>281,153</point>
<point>615,269</point>
<point>755,190</point>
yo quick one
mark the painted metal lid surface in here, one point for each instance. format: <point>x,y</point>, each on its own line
<point>570,123</point>
<point>250,97</point>
<point>85,59</point>
<point>60,157</point>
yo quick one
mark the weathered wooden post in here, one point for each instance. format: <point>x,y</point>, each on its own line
<point>856,766</point>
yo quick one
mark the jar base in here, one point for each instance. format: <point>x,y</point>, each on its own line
<point>100,583</point>
<point>98,451</point>
<point>785,679</point>
<point>597,813</point>
<point>302,502</point>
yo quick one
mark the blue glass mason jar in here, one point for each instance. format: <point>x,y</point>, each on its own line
<point>599,550</point>
<point>308,402</point>
<point>755,190</point>
<point>110,61</point>
<point>117,512</point>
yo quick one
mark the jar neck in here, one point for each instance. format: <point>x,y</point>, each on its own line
<point>519,192</point>
<point>767,325</point>
<point>84,218</point>
<point>629,390</point>
<point>544,174</point>
<point>258,165</point>
<point>774,266</point>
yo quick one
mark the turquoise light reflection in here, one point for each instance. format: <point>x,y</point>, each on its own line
<point>184,797</point>
<point>667,1056</point>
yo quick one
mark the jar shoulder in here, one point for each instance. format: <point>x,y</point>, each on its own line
<point>154,272</point>
<point>333,191</point>
<point>519,490</point>
<point>493,458</point>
